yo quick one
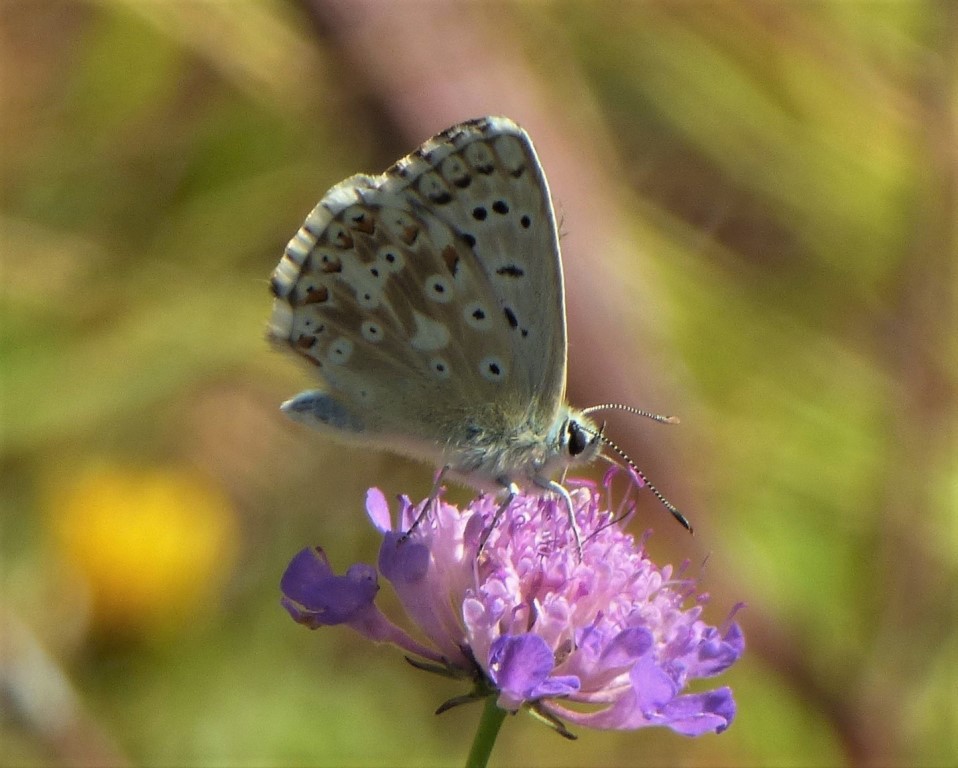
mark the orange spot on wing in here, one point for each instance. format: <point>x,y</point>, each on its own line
<point>364,224</point>
<point>451,256</point>
<point>316,295</point>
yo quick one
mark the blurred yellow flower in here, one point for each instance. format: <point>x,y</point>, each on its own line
<point>155,546</point>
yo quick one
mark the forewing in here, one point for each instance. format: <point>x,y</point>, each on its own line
<point>432,294</point>
<point>484,180</point>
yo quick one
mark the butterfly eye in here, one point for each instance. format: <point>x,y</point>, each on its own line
<point>578,439</point>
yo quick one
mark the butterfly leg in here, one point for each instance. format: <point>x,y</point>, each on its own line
<point>512,490</point>
<point>552,485</point>
<point>433,496</point>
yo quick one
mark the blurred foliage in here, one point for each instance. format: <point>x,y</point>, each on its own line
<point>790,170</point>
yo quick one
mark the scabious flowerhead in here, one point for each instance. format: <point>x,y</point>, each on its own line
<point>598,638</point>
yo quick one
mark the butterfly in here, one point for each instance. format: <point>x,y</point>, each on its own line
<point>429,301</point>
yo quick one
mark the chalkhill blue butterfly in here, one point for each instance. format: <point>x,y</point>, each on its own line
<point>429,301</point>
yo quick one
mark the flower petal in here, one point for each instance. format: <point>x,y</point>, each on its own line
<point>700,713</point>
<point>520,667</point>
<point>717,653</point>
<point>627,646</point>
<point>653,687</point>
<point>378,510</point>
<point>315,596</point>
<point>403,560</point>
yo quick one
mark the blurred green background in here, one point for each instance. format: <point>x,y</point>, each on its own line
<point>758,202</point>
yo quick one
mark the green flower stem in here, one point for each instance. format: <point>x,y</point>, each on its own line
<point>485,739</point>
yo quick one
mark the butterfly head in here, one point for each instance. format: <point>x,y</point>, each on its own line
<point>579,439</point>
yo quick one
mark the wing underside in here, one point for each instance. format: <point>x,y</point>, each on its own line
<point>431,295</point>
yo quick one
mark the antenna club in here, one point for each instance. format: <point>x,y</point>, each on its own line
<point>683,521</point>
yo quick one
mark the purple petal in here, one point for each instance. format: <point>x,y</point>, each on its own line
<point>378,510</point>
<point>520,668</point>
<point>407,513</point>
<point>519,664</point>
<point>307,566</point>
<point>315,596</point>
<point>609,476</point>
<point>719,654</point>
<point>626,647</point>
<point>637,478</point>
<point>472,534</point>
<point>653,687</point>
<point>559,685</point>
<point>696,714</point>
<point>402,560</point>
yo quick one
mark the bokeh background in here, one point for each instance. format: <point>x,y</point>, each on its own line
<point>758,203</point>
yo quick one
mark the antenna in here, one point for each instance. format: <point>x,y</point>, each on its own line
<point>673,510</point>
<point>629,409</point>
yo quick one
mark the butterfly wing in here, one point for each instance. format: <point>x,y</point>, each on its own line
<point>429,299</point>
<point>484,180</point>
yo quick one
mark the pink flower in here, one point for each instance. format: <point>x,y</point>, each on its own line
<point>529,618</point>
